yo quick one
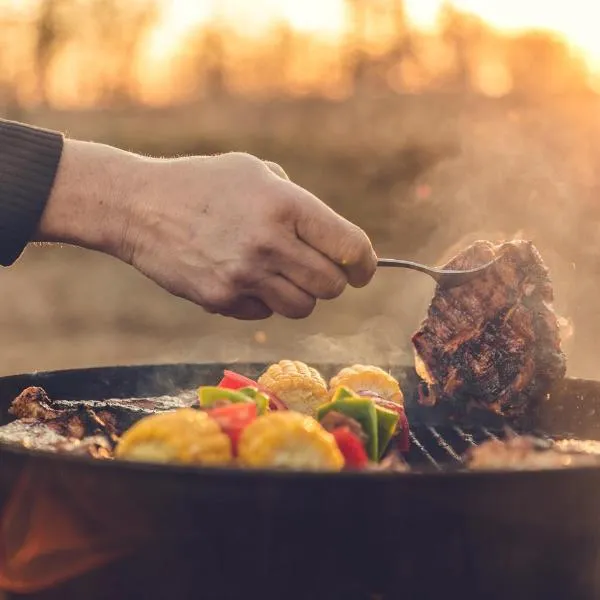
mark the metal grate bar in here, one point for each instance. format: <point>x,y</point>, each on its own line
<point>467,438</point>
<point>416,443</point>
<point>489,434</point>
<point>444,444</point>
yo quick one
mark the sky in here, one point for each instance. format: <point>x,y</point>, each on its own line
<point>577,20</point>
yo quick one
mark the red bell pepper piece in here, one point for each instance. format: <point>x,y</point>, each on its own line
<point>235,381</point>
<point>351,448</point>
<point>233,418</point>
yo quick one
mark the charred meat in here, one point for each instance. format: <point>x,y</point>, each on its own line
<point>87,426</point>
<point>494,341</point>
<point>525,452</point>
<point>54,435</point>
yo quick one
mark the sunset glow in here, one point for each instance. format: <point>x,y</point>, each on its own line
<point>575,20</point>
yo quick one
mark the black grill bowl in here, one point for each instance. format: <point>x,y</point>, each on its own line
<point>219,534</point>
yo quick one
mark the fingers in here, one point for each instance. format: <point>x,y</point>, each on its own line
<point>341,241</point>
<point>286,299</point>
<point>310,270</point>
<point>247,309</point>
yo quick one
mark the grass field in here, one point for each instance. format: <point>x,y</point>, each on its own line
<point>423,175</point>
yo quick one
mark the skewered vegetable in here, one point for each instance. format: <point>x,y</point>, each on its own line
<point>378,424</point>
<point>361,410</point>
<point>299,386</point>
<point>375,383</point>
<point>186,436</point>
<point>235,381</point>
<point>367,380</point>
<point>290,440</point>
<point>211,397</point>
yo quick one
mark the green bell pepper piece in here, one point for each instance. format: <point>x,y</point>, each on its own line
<point>360,409</point>
<point>387,421</point>
<point>209,395</point>
<point>261,401</point>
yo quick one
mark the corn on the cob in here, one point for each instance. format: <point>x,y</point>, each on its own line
<point>186,436</point>
<point>366,378</point>
<point>290,440</point>
<point>299,386</point>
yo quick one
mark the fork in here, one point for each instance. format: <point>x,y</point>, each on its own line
<point>444,277</point>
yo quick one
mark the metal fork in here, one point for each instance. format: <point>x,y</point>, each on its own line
<point>444,277</point>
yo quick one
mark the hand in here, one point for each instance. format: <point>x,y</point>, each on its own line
<point>229,233</point>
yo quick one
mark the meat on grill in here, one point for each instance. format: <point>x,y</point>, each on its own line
<point>525,452</point>
<point>54,435</point>
<point>91,427</point>
<point>494,341</point>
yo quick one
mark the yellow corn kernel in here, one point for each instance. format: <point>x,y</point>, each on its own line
<point>290,440</point>
<point>185,436</point>
<point>299,386</point>
<point>366,378</point>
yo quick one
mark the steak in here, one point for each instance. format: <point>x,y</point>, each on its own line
<point>493,342</point>
<point>91,427</point>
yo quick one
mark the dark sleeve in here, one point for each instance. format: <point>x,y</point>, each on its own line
<point>29,159</point>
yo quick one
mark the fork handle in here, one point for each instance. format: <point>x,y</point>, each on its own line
<point>407,264</point>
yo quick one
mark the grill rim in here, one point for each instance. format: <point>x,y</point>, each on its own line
<point>260,475</point>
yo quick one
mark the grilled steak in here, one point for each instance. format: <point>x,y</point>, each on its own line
<point>494,341</point>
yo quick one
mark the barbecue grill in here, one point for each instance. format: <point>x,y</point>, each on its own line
<point>441,532</point>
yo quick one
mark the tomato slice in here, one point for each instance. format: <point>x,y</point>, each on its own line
<point>235,381</point>
<point>233,418</point>
<point>404,436</point>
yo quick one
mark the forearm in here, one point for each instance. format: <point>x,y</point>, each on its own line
<point>29,158</point>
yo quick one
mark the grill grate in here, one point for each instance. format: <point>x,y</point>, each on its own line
<point>442,447</point>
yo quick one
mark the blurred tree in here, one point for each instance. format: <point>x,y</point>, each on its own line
<point>402,48</point>
<point>541,64</point>
<point>213,57</point>
<point>463,34</point>
<point>284,55</point>
<point>54,25</point>
<point>10,105</point>
<point>118,31</point>
<point>357,58</point>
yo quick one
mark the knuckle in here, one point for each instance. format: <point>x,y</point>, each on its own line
<point>276,169</point>
<point>218,298</point>
<point>244,158</point>
<point>266,248</point>
<point>238,274</point>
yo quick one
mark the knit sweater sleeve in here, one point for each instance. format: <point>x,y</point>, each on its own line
<point>29,159</point>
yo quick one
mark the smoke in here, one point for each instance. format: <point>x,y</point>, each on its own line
<point>533,175</point>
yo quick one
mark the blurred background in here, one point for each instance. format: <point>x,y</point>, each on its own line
<point>430,124</point>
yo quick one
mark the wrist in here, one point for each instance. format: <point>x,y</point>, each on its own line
<point>91,201</point>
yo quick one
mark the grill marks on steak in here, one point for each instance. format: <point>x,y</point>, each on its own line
<point>494,341</point>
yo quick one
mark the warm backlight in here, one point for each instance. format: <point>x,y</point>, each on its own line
<point>576,20</point>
